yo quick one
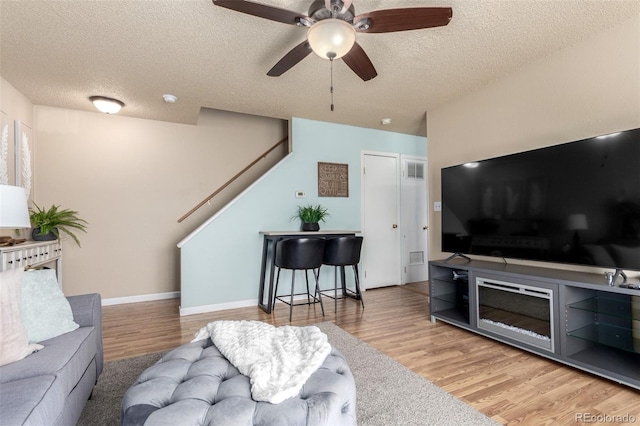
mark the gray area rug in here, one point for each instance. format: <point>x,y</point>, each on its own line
<point>387,392</point>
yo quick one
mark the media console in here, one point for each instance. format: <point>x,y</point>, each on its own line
<point>571,317</point>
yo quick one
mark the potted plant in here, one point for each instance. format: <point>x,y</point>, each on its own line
<point>310,216</point>
<point>48,223</point>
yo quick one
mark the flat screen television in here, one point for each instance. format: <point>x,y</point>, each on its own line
<point>577,203</point>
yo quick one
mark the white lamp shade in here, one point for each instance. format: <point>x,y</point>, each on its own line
<point>331,36</point>
<point>578,222</point>
<point>14,212</point>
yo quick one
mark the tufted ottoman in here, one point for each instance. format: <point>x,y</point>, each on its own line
<point>195,384</point>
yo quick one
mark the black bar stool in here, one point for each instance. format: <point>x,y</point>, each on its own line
<point>300,254</point>
<point>341,252</point>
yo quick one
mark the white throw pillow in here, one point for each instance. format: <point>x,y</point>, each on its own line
<point>14,344</point>
<point>46,313</point>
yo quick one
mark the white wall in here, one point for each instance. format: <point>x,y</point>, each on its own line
<point>590,89</point>
<point>131,179</point>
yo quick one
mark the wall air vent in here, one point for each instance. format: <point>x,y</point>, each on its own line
<point>415,170</point>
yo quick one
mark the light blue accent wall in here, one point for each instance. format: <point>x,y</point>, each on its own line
<point>221,263</point>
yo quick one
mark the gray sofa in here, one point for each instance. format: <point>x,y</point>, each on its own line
<point>51,386</point>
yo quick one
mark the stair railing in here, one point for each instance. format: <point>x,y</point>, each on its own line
<point>230,181</point>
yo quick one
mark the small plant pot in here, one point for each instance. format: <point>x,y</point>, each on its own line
<point>35,235</point>
<point>310,226</point>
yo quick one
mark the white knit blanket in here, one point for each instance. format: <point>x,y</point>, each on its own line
<point>277,360</point>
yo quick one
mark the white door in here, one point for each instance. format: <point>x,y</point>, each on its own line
<point>380,219</point>
<point>415,235</point>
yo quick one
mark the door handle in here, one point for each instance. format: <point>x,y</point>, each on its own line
<point>424,228</point>
<point>394,226</point>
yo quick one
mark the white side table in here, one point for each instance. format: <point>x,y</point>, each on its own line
<point>31,254</point>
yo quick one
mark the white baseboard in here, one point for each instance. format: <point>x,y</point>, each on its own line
<point>140,298</point>
<point>224,306</point>
<point>185,311</point>
<point>217,307</point>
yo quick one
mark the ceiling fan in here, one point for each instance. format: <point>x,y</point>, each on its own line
<point>332,27</point>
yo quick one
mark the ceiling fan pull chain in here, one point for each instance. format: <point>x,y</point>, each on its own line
<point>331,55</point>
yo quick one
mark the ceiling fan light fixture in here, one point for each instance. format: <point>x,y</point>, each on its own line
<point>333,36</point>
<point>106,105</point>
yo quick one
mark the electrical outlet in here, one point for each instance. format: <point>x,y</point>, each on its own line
<point>301,194</point>
<point>437,206</point>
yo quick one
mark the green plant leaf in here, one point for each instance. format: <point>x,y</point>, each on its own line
<point>55,220</point>
<point>311,213</point>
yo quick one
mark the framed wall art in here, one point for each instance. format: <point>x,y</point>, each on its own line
<point>333,180</point>
<point>4,148</point>
<point>24,157</point>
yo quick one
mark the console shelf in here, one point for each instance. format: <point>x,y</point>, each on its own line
<point>606,334</point>
<point>610,321</point>
<point>450,295</point>
<point>591,325</point>
<point>608,306</point>
<point>610,363</point>
<point>453,315</point>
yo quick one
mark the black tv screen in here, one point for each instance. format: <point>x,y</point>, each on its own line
<point>578,203</point>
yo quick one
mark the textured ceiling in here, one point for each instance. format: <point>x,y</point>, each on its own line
<point>58,53</point>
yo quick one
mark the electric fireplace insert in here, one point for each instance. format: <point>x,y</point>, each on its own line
<point>520,312</point>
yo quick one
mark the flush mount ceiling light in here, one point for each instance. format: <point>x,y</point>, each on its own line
<point>170,99</point>
<point>331,38</point>
<point>106,105</point>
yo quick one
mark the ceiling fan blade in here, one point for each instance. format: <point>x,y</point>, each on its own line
<point>412,18</point>
<point>360,63</point>
<point>287,62</point>
<point>346,5</point>
<point>262,11</point>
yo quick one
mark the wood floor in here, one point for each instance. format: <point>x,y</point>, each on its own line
<point>507,384</point>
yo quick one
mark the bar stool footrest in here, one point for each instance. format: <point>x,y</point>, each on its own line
<point>350,294</point>
<point>313,301</point>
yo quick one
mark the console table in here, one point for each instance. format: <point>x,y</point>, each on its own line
<point>585,323</point>
<point>31,254</point>
<point>270,239</point>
